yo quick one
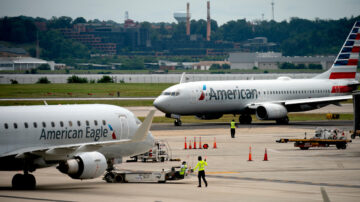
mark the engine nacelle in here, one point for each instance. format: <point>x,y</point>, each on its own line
<point>209,116</point>
<point>271,111</point>
<point>87,165</point>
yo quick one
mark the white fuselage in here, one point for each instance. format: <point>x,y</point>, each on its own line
<point>233,97</point>
<point>27,128</point>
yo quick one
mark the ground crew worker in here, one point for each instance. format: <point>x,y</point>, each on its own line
<point>201,174</point>
<point>183,169</point>
<point>232,128</point>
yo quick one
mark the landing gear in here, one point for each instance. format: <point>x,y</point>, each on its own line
<point>283,121</point>
<point>24,181</point>
<point>109,176</point>
<point>177,122</point>
<point>245,119</point>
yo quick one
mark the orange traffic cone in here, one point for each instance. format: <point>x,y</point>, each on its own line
<point>190,145</point>
<point>214,143</point>
<point>185,145</point>
<point>200,147</point>
<point>250,159</point>
<point>265,155</point>
<point>194,142</point>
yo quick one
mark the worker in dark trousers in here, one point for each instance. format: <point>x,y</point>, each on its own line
<point>201,174</point>
<point>232,128</point>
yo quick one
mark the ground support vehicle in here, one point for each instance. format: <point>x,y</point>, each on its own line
<point>124,176</point>
<point>305,144</point>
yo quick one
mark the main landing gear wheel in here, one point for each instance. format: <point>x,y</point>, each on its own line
<point>177,122</point>
<point>109,177</point>
<point>283,121</point>
<point>245,119</point>
<point>26,181</point>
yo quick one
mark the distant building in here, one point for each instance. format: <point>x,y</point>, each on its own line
<point>205,65</point>
<point>21,63</point>
<point>12,52</point>
<point>271,60</point>
<point>167,65</point>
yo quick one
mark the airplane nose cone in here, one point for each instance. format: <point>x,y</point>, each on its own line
<point>159,104</point>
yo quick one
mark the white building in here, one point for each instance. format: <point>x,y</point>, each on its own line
<point>21,63</point>
<point>271,60</point>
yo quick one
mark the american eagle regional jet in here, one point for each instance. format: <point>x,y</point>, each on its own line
<point>82,140</point>
<point>268,99</point>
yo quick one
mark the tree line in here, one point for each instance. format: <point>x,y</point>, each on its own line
<point>295,36</point>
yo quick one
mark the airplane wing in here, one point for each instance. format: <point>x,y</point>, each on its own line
<point>62,152</point>
<point>321,100</point>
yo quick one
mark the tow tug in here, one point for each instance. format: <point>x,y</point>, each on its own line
<point>322,138</point>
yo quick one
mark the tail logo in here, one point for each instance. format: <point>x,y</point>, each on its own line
<point>113,133</point>
<point>346,63</point>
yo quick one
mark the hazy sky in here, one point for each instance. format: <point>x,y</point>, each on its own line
<point>162,10</point>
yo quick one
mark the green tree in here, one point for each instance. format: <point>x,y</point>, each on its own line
<point>43,80</point>
<point>76,79</point>
<point>44,67</point>
<point>79,20</point>
<point>106,79</point>
<point>215,66</point>
<point>225,66</point>
<point>61,22</point>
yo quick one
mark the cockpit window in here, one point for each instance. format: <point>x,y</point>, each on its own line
<point>171,93</point>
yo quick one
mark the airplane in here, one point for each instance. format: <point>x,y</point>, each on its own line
<point>268,99</point>
<point>82,140</point>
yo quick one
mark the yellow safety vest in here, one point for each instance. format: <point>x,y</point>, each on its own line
<point>232,124</point>
<point>183,169</point>
<point>201,165</point>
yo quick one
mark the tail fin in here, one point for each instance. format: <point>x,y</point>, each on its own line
<point>346,62</point>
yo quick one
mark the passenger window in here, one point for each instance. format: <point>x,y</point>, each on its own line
<point>70,123</point>
<point>95,122</point>
<point>15,125</point>
<point>52,124</point>
<point>173,94</point>
<point>104,122</point>
<point>87,123</point>
<point>79,123</point>
<point>35,125</point>
<point>26,125</point>
<point>44,124</point>
<point>61,124</point>
<point>6,126</point>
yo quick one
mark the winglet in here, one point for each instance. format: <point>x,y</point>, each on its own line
<point>182,79</point>
<point>143,129</point>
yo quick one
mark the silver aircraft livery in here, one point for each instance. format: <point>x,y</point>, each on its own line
<point>268,99</point>
<point>82,140</point>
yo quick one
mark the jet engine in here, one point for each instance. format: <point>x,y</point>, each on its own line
<point>271,111</point>
<point>209,116</point>
<point>87,165</point>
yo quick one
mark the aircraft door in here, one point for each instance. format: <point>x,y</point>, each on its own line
<point>124,127</point>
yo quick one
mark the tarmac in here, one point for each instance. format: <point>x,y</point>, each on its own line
<point>346,108</point>
<point>290,174</point>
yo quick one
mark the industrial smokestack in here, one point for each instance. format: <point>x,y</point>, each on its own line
<point>188,19</point>
<point>208,30</point>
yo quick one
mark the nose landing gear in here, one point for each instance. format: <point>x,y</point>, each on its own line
<point>177,122</point>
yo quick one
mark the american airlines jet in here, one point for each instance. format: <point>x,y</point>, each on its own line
<point>268,99</point>
<point>82,140</point>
